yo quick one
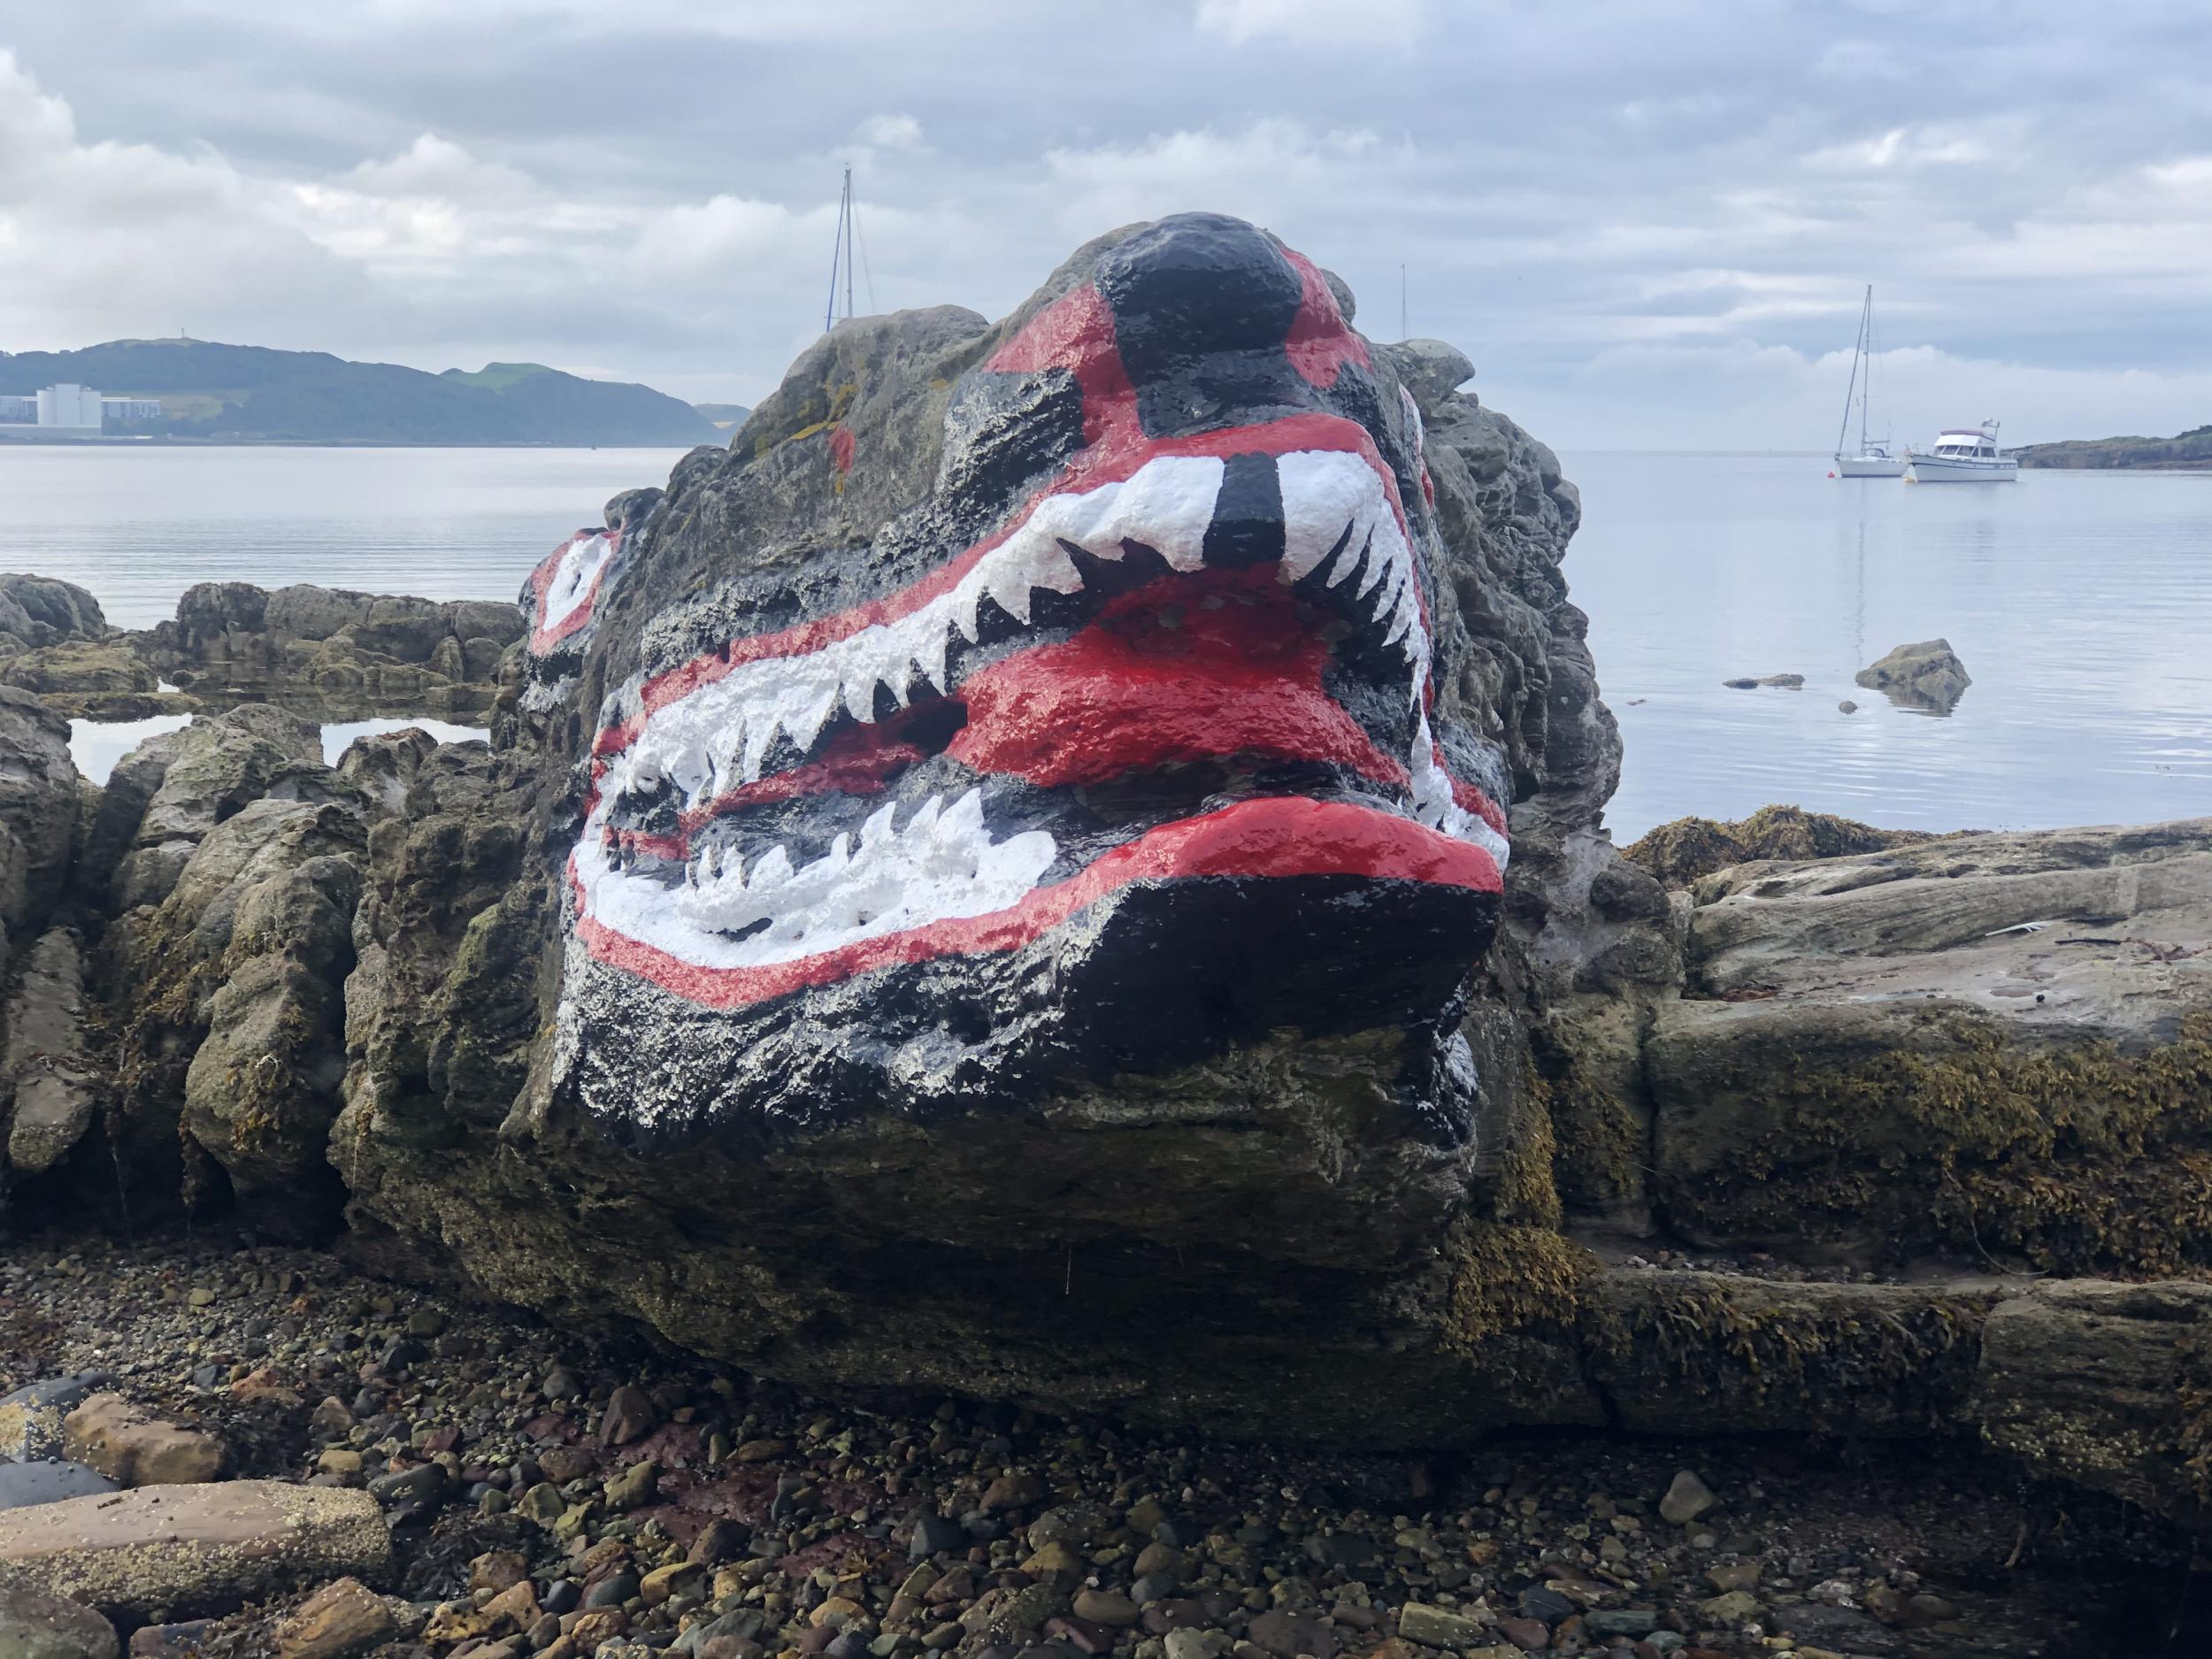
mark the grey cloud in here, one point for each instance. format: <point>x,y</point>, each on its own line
<point>1642,221</point>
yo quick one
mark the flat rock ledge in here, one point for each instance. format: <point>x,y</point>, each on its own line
<point>161,1551</point>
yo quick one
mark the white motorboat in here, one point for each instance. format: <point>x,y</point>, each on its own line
<point>1964,455</point>
<point>1870,460</point>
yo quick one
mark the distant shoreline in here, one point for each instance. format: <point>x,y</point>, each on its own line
<point>10,441</point>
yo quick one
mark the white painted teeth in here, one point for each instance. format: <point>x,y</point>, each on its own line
<point>941,866</point>
<point>1336,508</point>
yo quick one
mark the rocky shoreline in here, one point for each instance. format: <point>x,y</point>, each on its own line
<point>1024,967</point>
<point>546,1496</point>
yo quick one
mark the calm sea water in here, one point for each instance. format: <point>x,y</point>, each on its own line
<point>2080,603</point>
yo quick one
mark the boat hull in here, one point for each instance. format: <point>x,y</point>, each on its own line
<point>1869,467</point>
<point>1926,469</point>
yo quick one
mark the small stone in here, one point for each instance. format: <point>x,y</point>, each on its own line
<point>1285,1634</point>
<point>1053,1558</point>
<point>1437,1627</point>
<point>562,1596</point>
<point>341,1618</point>
<point>560,1384</point>
<point>1687,1498</point>
<point>613,1591</point>
<point>1847,707</point>
<point>1187,1644</point>
<point>629,1416</point>
<point>1012,1492</point>
<point>1736,1607</point>
<point>1530,1635</point>
<point>426,1322</point>
<point>718,1540</point>
<point>633,1486</point>
<point>933,1534</point>
<point>543,1504</point>
<point>678,1579</point>
<point>1116,1612</point>
<point>1623,1621</point>
<point>341,1463</point>
<point>1548,1606</point>
<point>131,1448</point>
<point>497,1570</point>
<point>760,1451</point>
<point>1733,1575</point>
<point>424,1484</point>
<point>201,1297</point>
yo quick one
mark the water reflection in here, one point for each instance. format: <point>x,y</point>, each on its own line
<point>96,745</point>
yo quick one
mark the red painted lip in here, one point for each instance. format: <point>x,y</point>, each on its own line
<point>1278,837</point>
<point>1159,680</point>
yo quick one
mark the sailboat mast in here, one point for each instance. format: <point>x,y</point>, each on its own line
<point>1866,347</point>
<point>842,253</point>
<point>1851,392</point>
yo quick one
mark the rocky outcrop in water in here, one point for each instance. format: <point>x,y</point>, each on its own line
<point>332,650</point>
<point>1927,677</point>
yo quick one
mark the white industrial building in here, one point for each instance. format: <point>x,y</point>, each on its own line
<point>67,411</point>
<point>72,406</point>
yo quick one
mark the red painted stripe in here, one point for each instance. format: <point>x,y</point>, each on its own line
<point>1471,798</point>
<point>1321,343</point>
<point>1285,836</point>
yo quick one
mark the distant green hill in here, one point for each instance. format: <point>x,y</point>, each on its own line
<point>728,416</point>
<point>2192,449</point>
<point>252,393</point>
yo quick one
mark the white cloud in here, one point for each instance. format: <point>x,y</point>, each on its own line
<point>890,132</point>
<point>1337,24</point>
<point>1271,171</point>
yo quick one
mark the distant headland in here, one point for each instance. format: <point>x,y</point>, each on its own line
<point>199,391</point>
<point>2191,448</point>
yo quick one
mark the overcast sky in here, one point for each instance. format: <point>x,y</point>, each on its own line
<point>1648,223</point>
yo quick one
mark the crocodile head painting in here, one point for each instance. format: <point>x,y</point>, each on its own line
<point>1024,705</point>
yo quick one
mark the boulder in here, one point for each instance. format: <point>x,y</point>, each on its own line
<point>133,1448</point>
<point>1927,676</point>
<point>201,777</point>
<point>2105,1386</point>
<point>227,999</point>
<point>46,1078</point>
<point>100,679</point>
<point>38,810</point>
<point>37,1626</point>
<point>37,612</point>
<point>1987,1043</point>
<point>161,1551</point>
<point>341,653</point>
<point>48,1480</point>
<point>31,1417</point>
<point>1248,1061</point>
<point>382,766</point>
<point>1679,852</point>
<point>341,1620</point>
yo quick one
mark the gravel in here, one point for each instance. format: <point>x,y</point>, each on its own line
<point>551,1496</point>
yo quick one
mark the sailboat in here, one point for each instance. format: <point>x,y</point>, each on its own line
<point>1870,459</point>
